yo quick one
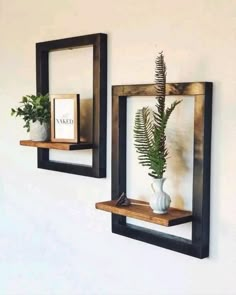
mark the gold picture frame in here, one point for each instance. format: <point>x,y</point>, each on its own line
<point>65,110</point>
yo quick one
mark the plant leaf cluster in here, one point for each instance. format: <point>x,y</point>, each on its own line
<point>150,126</point>
<point>33,108</point>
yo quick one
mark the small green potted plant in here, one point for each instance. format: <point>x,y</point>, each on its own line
<point>150,138</point>
<point>35,111</point>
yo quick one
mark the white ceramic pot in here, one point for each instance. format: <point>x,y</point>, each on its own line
<point>38,131</point>
<point>160,200</point>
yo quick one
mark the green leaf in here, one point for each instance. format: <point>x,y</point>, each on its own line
<point>13,111</point>
<point>24,99</point>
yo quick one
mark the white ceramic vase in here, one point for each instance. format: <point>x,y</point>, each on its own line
<point>160,200</point>
<point>38,131</point>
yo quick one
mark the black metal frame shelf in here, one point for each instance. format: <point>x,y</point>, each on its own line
<point>99,43</point>
<point>198,246</point>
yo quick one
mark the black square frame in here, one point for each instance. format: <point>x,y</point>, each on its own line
<point>198,246</point>
<point>99,43</point>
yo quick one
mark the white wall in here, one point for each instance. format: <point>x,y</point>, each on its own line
<point>52,240</point>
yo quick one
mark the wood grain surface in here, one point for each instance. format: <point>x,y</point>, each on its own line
<point>57,145</point>
<point>142,211</point>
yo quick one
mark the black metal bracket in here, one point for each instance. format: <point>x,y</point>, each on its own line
<point>99,43</point>
<point>198,246</point>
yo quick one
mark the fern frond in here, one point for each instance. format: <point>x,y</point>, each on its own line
<point>149,131</point>
<point>143,135</point>
<point>170,110</point>
<point>160,86</point>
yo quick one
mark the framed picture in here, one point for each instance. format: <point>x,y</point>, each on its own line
<point>65,118</point>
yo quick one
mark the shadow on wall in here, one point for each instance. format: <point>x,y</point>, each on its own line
<point>179,148</point>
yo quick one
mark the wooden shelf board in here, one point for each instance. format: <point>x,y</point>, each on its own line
<point>57,145</point>
<point>141,210</point>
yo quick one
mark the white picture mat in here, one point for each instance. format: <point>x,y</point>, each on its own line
<point>63,111</point>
